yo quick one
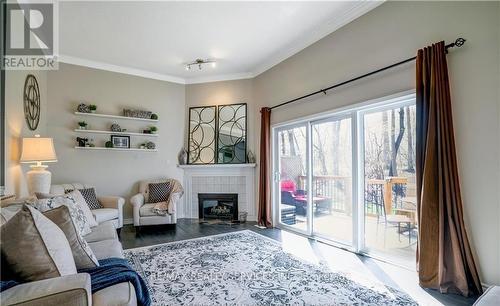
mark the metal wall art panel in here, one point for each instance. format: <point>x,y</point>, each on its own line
<point>232,134</point>
<point>202,135</point>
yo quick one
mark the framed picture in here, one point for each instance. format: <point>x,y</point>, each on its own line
<point>120,141</point>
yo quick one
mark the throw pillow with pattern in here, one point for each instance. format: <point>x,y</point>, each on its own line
<point>159,192</point>
<point>77,214</point>
<point>91,198</point>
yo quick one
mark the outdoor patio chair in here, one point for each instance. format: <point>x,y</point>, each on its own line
<point>374,195</point>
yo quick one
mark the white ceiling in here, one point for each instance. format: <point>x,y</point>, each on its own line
<point>155,39</point>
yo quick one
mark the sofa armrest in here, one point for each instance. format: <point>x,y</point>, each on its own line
<point>61,291</point>
<point>137,201</point>
<point>114,202</point>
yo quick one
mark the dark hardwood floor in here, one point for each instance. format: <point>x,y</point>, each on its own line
<point>337,259</point>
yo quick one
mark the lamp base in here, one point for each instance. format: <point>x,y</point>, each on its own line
<point>39,180</point>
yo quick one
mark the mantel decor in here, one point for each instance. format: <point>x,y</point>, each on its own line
<point>217,135</point>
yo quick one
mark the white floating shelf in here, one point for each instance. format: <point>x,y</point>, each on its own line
<point>115,133</point>
<point>116,149</point>
<point>114,117</point>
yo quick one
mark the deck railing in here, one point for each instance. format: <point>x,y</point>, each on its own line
<point>337,188</point>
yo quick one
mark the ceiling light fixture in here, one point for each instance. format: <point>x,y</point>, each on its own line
<point>200,62</point>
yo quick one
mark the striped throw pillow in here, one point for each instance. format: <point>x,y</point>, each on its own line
<point>91,198</point>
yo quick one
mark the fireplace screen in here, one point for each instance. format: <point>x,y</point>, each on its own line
<point>222,206</point>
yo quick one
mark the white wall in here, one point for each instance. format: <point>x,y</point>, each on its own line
<point>113,173</point>
<point>393,32</point>
<point>16,127</point>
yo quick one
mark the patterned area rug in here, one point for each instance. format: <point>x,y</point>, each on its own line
<point>246,268</point>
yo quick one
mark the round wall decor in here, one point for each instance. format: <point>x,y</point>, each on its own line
<point>31,102</point>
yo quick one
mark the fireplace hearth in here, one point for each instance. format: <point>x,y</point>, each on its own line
<point>218,206</point>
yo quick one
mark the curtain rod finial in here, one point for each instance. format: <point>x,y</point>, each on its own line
<point>460,42</point>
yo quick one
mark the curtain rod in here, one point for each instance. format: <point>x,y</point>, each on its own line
<point>459,42</point>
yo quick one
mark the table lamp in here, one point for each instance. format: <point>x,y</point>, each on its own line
<point>38,150</point>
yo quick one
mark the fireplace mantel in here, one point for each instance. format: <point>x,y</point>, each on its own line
<point>219,178</point>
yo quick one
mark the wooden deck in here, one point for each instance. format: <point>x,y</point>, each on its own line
<point>382,239</point>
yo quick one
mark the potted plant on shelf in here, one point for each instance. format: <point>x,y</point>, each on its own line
<point>92,108</point>
<point>153,129</point>
<point>82,125</point>
<point>154,116</point>
<point>108,144</point>
<point>142,146</point>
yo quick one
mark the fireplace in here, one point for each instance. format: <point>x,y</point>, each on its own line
<point>221,206</point>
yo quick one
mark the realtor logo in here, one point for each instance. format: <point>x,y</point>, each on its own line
<point>30,36</point>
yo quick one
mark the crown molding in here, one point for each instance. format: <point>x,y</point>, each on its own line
<point>120,69</point>
<point>218,78</point>
<point>362,7</point>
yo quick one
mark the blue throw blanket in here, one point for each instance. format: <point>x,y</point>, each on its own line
<point>112,271</point>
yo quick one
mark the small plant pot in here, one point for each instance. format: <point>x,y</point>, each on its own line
<point>142,147</point>
<point>81,127</point>
<point>153,132</point>
<point>93,111</point>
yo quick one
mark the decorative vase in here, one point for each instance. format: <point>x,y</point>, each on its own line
<point>250,157</point>
<point>115,127</point>
<point>83,108</point>
<point>183,157</point>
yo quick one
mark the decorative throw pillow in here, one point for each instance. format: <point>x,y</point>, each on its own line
<point>34,247</point>
<point>80,201</point>
<point>82,254</point>
<point>159,192</point>
<point>79,217</point>
<point>91,198</point>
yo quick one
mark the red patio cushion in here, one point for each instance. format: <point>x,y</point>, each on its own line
<point>288,185</point>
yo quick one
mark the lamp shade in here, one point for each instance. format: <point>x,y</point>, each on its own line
<point>37,149</point>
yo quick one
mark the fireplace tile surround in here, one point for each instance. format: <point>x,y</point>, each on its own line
<point>218,178</point>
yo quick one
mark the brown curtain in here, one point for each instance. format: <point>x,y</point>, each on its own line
<point>264,217</point>
<point>444,256</point>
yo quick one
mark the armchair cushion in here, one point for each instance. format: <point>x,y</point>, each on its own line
<point>146,210</point>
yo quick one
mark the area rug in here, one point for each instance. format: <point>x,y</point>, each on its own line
<point>246,268</point>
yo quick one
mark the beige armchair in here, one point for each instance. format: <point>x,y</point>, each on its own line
<point>143,211</point>
<point>112,206</point>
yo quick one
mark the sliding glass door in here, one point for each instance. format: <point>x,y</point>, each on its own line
<point>349,178</point>
<point>332,179</point>
<point>390,220</point>
<point>291,145</point>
